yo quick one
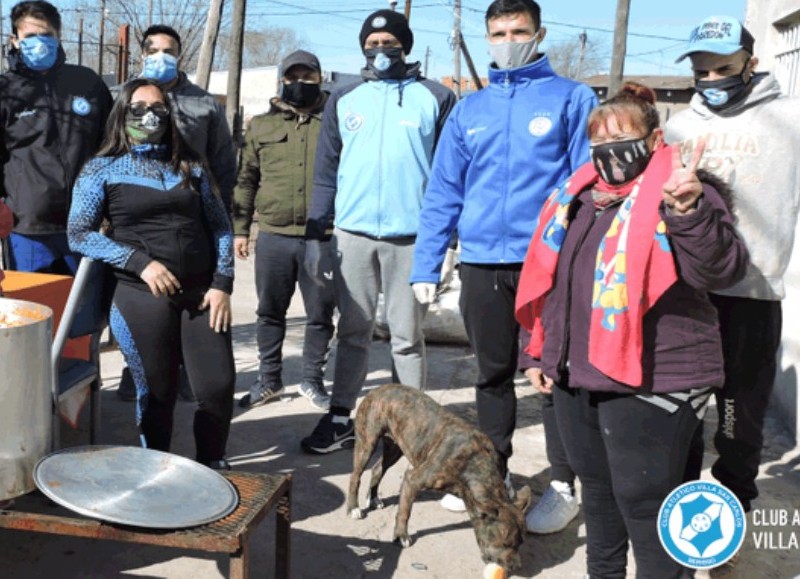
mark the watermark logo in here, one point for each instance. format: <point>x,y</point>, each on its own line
<point>701,524</point>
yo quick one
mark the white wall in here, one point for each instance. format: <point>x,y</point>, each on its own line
<point>258,86</point>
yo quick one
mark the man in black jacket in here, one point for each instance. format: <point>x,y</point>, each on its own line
<point>52,116</point>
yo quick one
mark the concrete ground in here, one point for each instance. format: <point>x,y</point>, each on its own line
<point>326,542</point>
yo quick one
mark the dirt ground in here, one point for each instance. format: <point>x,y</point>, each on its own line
<point>325,541</point>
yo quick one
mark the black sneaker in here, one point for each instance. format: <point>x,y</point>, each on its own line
<point>329,436</point>
<point>220,464</point>
<point>260,394</point>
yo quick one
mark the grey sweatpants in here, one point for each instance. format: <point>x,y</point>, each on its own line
<point>364,267</point>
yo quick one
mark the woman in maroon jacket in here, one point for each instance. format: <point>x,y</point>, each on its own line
<point>613,291</point>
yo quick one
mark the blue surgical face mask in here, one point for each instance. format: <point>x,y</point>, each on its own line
<point>160,67</point>
<point>39,52</point>
<point>386,62</point>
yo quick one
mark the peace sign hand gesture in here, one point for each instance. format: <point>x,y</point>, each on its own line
<point>683,188</point>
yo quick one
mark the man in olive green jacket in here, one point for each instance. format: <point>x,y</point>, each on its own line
<point>275,179</point>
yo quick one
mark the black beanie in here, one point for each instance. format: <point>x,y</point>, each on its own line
<point>388,21</point>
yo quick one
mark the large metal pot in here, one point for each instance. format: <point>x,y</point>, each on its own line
<point>26,400</point>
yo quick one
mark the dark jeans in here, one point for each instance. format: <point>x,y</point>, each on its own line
<point>279,268</point>
<point>751,335</point>
<point>487,306</point>
<point>629,455</point>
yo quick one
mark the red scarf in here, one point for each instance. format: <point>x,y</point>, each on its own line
<point>634,268</point>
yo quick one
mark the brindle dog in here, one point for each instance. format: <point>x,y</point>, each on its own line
<point>445,453</point>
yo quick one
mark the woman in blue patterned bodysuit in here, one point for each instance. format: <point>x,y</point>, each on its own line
<point>170,247</point>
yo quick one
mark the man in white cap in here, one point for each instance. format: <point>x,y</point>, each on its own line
<point>373,160</point>
<point>752,135</point>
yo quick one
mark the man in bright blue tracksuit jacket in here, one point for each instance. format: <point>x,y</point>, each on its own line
<point>372,164</point>
<point>502,152</point>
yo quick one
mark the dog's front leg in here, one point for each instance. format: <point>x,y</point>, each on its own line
<point>408,492</point>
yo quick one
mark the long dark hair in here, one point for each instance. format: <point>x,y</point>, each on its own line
<point>117,143</point>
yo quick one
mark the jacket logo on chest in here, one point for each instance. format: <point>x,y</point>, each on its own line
<point>80,106</point>
<point>540,126</point>
<point>353,122</point>
<point>26,113</point>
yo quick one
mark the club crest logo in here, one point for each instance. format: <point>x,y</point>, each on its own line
<point>378,22</point>
<point>540,126</point>
<point>353,122</point>
<point>80,106</point>
<point>701,524</point>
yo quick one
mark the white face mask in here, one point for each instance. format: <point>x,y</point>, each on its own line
<point>514,54</point>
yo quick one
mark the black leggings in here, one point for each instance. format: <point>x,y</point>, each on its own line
<point>156,335</point>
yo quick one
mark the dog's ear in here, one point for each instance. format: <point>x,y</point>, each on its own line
<point>523,499</point>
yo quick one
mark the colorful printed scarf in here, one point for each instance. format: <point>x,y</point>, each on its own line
<point>634,268</point>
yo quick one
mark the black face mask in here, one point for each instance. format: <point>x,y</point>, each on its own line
<point>386,62</point>
<point>722,93</point>
<point>620,161</point>
<point>301,95</point>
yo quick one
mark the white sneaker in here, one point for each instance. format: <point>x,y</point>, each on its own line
<point>557,507</point>
<point>453,503</point>
<point>456,505</point>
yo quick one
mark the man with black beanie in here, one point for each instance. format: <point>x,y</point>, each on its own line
<point>373,161</point>
<point>275,177</point>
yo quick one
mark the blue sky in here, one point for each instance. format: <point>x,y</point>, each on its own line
<point>656,29</point>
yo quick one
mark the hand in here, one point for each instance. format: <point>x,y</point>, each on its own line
<point>220,314</point>
<point>159,279</point>
<point>539,381</point>
<point>424,292</point>
<point>311,260</point>
<point>240,246</point>
<point>448,267</point>
<point>682,190</point>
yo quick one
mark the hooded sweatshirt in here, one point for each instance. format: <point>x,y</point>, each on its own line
<point>754,147</point>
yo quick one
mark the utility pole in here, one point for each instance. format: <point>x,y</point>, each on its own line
<point>457,48</point>
<point>206,58</point>
<point>102,34</point>
<point>235,67</point>
<point>427,56</point>
<point>149,13</point>
<point>583,38</point>
<point>476,80</point>
<point>407,10</point>
<point>80,41</point>
<point>620,46</point>
<point>123,52</point>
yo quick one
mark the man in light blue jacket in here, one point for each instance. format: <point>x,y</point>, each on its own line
<point>372,164</point>
<point>502,152</point>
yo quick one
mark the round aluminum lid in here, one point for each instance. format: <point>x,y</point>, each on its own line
<point>135,486</point>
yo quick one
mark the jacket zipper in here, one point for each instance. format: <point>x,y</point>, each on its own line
<point>386,89</point>
<point>63,157</point>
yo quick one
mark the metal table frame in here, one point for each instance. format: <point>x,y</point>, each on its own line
<point>258,494</point>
